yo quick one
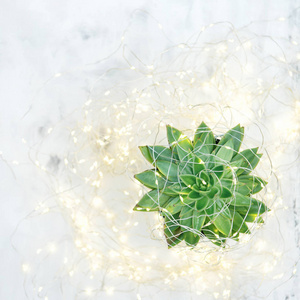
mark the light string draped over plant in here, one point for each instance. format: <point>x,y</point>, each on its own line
<point>202,188</point>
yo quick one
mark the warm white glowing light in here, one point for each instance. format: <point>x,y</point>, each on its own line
<point>25,268</point>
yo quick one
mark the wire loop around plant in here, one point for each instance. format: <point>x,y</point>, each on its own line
<point>202,187</point>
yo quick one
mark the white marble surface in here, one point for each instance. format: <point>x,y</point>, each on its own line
<point>39,39</point>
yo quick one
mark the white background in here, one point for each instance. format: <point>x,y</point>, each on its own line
<point>39,39</point>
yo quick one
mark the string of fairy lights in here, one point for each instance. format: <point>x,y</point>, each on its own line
<point>110,250</point>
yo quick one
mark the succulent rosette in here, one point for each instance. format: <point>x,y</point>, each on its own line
<point>203,188</point>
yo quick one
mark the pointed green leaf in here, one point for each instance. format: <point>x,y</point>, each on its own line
<point>239,223</point>
<point>198,220</point>
<point>151,179</point>
<point>258,206</point>
<point>226,151</point>
<point>253,183</point>
<point>174,135</point>
<point>198,165</point>
<point>172,230</point>
<point>202,129</point>
<point>204,141</point>
<point>191,239</point>
<point>213,192</point>
<point>242,188</point>
<point>253,207</point>
<point>240,200</point>
<point>184,149</point>
<point>236,134</point>
<point>246,161</point>
<point>193,195</point>
<point>212,179</point>
<point>188,180</point>
<point>185,209</point>
<point>211,209</point>
<point>225,192</point>
<point>168,191</point>
<point>174,206</point>
<point>218,171</point>
<point>170,219</point>
<point>180,188</point>
<point>184,168</point>
<point>252,218</point>
<point>204,178</point>
<point>254,163</point>
<point>223,209</point>
<point>173,237</point>
<point>212,161</point>
<point>145,151</point>
<point>228,183</point>
<point>210,232</point>
<point>201,204</point>
<point>203,151</point>
<point>186,219</point>
<point>222,223</point>
<point>186,200</point>
<point>161,153</point>
<point>229,173</point>
<point>246,155</point>
<point>198,182</point>
<point>151,201</point>
<point>168,169</point>
<point>236,167</point>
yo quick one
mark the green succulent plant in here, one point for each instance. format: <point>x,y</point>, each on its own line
<point>202,188</point>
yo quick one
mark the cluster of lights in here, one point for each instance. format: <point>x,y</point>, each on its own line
<point>114,242</point>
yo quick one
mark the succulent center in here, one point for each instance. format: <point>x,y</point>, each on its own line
<point>203,185</point>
